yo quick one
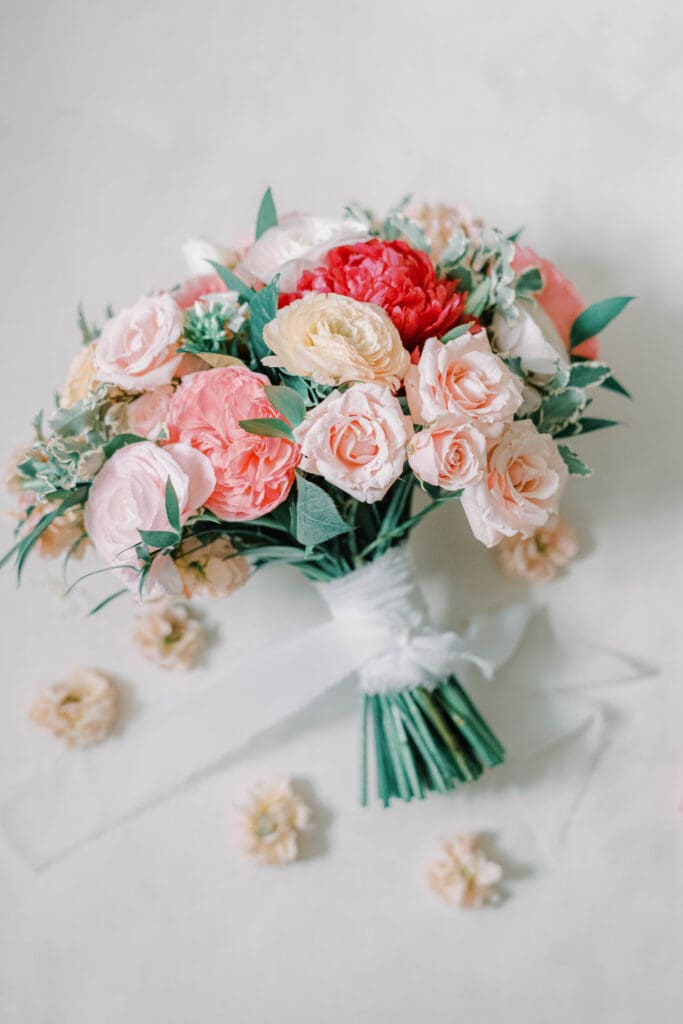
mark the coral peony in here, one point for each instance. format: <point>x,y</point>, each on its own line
<point>254,474</point>
<point>396,277</point>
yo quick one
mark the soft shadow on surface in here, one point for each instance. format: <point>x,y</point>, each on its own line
<point>514,870</point>
<point>313,841</point>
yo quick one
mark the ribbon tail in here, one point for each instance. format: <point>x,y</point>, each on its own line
<point>85,793</point>
<point>493,638</point>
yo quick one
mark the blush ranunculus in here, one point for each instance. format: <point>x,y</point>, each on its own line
<point>521,490</point>
<point>138,348</point>
<point>449,454</point>
<point>559,298</point>
<point>336,340</point>
<point>356,440</point>
<point>396,277</point>
<point>464,379</point>
<point>129,495</point>
<point>254,474</point>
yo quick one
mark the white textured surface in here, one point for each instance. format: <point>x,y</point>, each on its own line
<point>126,129</point>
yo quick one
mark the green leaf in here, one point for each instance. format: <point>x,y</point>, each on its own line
<point>107,600</point>
<point>159,538</point>
<point>411,231</point>
<point>287,402</point>
<point>587,374</point>
<point>596,318</point>
<point>267,215</point>
<point>530,280</point>
<point>587,424</point>
<point>172,507</point>
<point>477,299</point>
<point>317,518</point>
<point>561,408</point>
<point>456,248</point>
<point>268,426</point>
<point>232,281</point>
<point>262,309</point>
<point>575,465</point>
<point>612,384</point>
<point>456,332</point>
<point>120,441</point>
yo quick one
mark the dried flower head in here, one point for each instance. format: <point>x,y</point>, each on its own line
<point>210,570</point>
<point>463,875</point>
<point>169,635</point>
<point>537,559</point>
<point>81,710</point>
<point>270,820</point>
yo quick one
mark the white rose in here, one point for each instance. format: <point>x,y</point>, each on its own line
<point>521,489</point>
<point>521,337</point>
<point>336,340</point>
<point>138,349</point>
<point>299,242</point>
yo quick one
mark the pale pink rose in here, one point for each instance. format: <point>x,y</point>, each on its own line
<point>356,440</point>
<point>253,474</point>
<point>128,495</point>
<point>521,491</point>
<point>138,348</point>
<point>464,379</point>
<point>146,415</point>
<point>448,454</point>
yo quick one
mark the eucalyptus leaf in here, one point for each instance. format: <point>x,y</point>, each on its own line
<point>120,441</point>
<point>268,426</point>
<point>159,538</point>
<point>262,309</point>
<point>595,318</point>
<point>477,299</point>
<point>575,465</point>
<point>456,332</point>
<point>267,215</point>
<point>317,518</point>
<point>287,402</point>
<point>233,282</point>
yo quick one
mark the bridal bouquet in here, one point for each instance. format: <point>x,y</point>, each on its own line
<point>287,403</point>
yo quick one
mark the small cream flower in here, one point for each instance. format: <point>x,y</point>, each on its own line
<point>463,875</point>
<point>440,223</point>
<point>169,635</point>
<point>65,533</point>
<point>80,710</point>
<point>538,558</point>
<point>270,821</point>
<point>335,340</point>
<point>210,570</point>
<point>80,378</point>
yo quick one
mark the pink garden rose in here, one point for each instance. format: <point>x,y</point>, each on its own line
<point>129,495</point>
<point>464,379</point>
<point>525,477</point>
<point>356,440</point>
<point>254,474</point>
<point>448,454</point>
<point>146,415</point>
<point>138,348</point>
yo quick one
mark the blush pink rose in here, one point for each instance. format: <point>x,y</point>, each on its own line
<point>559,298</point>
<point>138,348</point>
<point>254,474</point>
<point>146,416</point>
<point>463,378</point>
<point>448,454</point>
<point>356,440</point>
<point>129,494</point>
<point>521,490</point>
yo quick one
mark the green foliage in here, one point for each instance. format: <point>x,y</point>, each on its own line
<point>268,426</point>
<point>317,517</point>
<point>588,374</point>
<point>561,408</point>
<point>267,215</point>
<point>88,331</point>
<point>262,309</point>
<point>595,318</point>
<point>529,281</point>
<point>232,282</point>
<point>287,402</point>
<point>575,465</point>
<point>172,507</point>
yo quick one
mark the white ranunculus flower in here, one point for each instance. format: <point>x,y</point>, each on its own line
<point>522,337</point>
<point>297,243</point>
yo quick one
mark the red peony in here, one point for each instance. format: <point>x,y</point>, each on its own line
<point>396,277</point>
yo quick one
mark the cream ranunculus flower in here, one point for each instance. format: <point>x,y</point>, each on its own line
<point>80,378</point>
<point>521,490</point>
<point>336,340</point>
<point>80,710</point>
<point>298,242</point>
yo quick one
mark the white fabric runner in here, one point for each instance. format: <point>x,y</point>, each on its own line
<point>380,627</point>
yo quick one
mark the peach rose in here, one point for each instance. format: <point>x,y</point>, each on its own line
<point>138,349</point>
<point>213,569</point>
<point>253,474</point>
<point>525,477</point>
<point>464,379</point>
<point>335,340</point>
<point>356,440</point>
<point>128,495</point>
<point>448,454</point>
<point>146,415</point>
<point>538,558</point>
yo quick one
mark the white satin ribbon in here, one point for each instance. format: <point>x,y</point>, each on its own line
<point>380,628</point>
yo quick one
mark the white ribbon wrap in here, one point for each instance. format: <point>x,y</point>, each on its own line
<point>380,628</point>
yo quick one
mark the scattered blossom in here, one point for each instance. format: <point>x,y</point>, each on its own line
<point>537,559</point>
<point>463,875</point>
<point>81,710</point>
<point>270,820</point>
<point>169,635</point>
